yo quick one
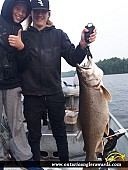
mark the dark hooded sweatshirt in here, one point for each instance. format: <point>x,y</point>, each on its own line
<point>9,72</point>
<point>45,49</point>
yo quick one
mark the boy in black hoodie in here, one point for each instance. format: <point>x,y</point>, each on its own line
<point>12,14</point>
<point>44,45</point>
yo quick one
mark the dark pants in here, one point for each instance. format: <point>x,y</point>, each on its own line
<point>33,108</point>
<point>44,117</point>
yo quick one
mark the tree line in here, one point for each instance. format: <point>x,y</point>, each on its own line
<point>109,66</point>
<point>114,65</point>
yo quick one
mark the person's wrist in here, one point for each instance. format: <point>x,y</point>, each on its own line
<point>21,47</point>
<point>83,44</point>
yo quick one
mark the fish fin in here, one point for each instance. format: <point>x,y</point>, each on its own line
<point>107,129</point>
<point>106,93</point>
<point>99,147</point>
<point>78,123</point>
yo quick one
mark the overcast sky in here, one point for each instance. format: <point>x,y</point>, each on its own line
<point>110,18</point>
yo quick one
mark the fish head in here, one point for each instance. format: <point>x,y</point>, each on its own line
<point>90,75</point>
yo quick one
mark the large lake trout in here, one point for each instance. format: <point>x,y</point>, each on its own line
<point>93,114</point>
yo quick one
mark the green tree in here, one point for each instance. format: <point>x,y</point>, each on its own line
<point>113,65</point>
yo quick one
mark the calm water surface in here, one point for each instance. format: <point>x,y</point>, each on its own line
<point>117,84</point>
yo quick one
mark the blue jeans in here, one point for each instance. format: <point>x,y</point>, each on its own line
<point>33,108</point>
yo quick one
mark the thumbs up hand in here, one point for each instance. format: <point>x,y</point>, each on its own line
<point>15,41</point>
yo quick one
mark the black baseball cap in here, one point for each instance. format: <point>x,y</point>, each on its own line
<point>40,4</point>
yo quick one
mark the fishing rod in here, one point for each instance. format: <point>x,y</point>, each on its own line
<point>109,140</point>
<point>5,127</point>
<point>9,153</point>
<point>112,139</point>
<point>118,133</point>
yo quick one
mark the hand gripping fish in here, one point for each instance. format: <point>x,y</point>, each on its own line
<point>93,114</point>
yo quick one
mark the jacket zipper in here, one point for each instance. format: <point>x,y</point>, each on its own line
<point>39,53</point>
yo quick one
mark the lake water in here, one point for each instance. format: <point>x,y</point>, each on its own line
<point>117,84</point>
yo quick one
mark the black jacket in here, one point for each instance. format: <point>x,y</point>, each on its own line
<point>45,49</point>
<point>9,72</point>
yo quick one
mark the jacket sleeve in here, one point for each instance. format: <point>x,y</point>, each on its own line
<point>71,54</point>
